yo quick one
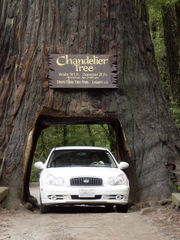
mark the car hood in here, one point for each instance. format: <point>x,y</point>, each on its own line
<point>70,172</point>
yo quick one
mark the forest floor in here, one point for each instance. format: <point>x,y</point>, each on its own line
<point>95,223</point>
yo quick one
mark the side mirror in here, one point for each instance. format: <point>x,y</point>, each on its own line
<point>123,165</point>
<point>39,165</point>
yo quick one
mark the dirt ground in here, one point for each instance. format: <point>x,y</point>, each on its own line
<point>85,223</point>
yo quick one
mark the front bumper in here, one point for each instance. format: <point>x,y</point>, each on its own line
<point>54,195</point>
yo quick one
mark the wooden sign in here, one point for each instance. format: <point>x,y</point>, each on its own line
<point>81,71</point>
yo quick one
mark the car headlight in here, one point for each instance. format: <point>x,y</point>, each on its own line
<point>51,180</point>
<point>119,180</point>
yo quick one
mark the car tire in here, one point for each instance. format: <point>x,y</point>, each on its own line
<point>43,208</point>
<point>122,208</point>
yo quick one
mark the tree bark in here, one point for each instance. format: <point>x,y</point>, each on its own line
<point>30,30</point>
<point>65,135</point>
<point>171,25</point>
<point>90,135</point>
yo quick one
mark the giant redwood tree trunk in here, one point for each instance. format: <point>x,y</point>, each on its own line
<point>30,30</point>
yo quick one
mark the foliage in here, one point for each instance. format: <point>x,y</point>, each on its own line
<point>157,35</point>
<point>175,112</point>
<point>71,135</point>
<point>157,4</point>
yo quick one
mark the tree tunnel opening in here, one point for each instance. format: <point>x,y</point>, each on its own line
<point>48,126</point>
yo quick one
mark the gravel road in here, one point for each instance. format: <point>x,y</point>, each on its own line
<point>81,223</point>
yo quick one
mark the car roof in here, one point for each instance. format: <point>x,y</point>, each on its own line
<point>80,148</point>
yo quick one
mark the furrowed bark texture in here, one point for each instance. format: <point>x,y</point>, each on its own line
<point>171,23</point>
<point>32,29</point>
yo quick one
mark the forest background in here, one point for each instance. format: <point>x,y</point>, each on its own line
<point>164,24</point>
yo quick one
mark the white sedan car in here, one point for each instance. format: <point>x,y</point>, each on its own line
<point>83,175</point>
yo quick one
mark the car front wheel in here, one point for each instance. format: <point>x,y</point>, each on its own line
<point>43,208</point>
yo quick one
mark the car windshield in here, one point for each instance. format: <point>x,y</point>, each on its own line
<point>81,158</point>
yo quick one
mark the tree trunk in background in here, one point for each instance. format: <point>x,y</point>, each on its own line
<point>30,30</point>
<point>112,139</point>
<point>90,135</point>
<point>171,24</point>
<point>65,129</point>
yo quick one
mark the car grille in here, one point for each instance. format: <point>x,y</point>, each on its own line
<point>76,197</point>
<point>86,181</point>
